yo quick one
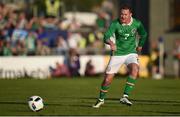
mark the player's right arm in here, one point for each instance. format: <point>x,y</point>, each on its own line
<point>112,45</point>
<point>110,33</point>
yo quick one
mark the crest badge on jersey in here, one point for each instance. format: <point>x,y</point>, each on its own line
<point>133,30</point>
<point>120,31</point>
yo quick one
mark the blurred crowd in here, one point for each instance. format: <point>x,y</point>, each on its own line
<point>22,34</point>
<point>158,59</point>
<point>71,66</point>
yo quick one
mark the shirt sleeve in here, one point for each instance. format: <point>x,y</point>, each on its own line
<point>143,35</point>
<point>110,32</point>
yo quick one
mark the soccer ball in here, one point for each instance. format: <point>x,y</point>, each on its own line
<point>35,103</point>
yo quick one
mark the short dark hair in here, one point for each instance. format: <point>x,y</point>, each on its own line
<point>125,6</point>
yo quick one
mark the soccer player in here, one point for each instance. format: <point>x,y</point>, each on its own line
<point>125,49</point>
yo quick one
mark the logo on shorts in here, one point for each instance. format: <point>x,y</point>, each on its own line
<point>137,59</point>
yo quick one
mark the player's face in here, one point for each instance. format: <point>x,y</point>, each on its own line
<point>125,16</point>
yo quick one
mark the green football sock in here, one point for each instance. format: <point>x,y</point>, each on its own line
<point>103,91</point>
<point>129,85</point>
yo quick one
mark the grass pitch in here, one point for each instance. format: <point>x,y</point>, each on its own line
<point>76,96</point>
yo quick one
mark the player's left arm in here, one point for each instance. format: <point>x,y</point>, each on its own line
<point>143,36</point>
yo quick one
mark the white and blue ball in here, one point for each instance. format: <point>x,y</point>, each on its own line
<point>35,103</point>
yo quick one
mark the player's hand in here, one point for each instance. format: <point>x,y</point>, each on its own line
<point>139,49</point>
<point>113,47</point>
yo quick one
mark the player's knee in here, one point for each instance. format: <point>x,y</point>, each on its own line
<point>134,74</point>
<point>134,71</point>
<point>108,80</point>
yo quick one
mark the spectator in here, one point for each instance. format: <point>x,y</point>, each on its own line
<point>33,24</point>
<point>59,70</point>
<point>18,34</point>
<point>108,7</point>
<point>21,48</point>
<point>50,23</point>
<point>30,43</point>
<point>52,8</point>
<point>91,38</point>
<point>89,70</point>
<point>155,62</point>
<point>42,49</point>
<point>82,44</point>
<point>7,51</point>
<point>177,58</point>
<point>73,39</point>
<point>2,22</point>
<point>22,21</point>
<point>16,24</point>
<point>101,21</point>
<point>73,62</point>
<point>61,46</point>
<point>1,46</point>
<point>74,25</point>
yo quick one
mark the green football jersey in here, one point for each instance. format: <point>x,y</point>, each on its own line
<point>125,36</point>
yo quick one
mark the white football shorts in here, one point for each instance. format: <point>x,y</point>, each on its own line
<point>116,62</point>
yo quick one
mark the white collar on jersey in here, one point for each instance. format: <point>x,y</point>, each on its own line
<point>129,22</point>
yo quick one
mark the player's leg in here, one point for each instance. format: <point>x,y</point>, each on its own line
<point>133,70</point>
<point>104,89</point>
<point>112,68</point>
<point>105,85</point>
